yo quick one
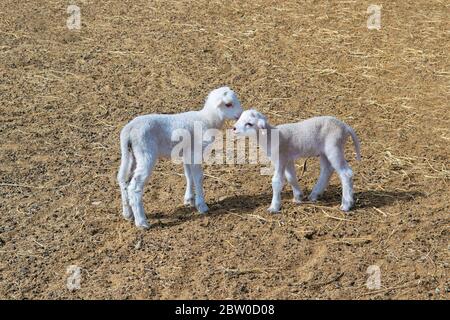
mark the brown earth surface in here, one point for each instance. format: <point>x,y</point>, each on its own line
<point>65,95</point>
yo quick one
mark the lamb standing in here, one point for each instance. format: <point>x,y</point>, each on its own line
<point>149,137</point>
<point>322,137</point>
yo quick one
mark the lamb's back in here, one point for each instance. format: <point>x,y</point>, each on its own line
<point>308,137</point>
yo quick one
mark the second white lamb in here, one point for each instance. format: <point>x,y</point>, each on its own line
<point>322,137</point>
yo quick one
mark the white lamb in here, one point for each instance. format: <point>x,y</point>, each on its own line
<point>322,137</point>
<point>149,137</point>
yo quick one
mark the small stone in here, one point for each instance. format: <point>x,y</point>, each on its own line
<point>205,223</point>
<point>309,234</point>
<point>243,289</point>
<point>138,244</point>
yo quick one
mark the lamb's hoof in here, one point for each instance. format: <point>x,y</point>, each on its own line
<point>346,207</point>
<point>143,225</point>
<point>312,198</point>
<point>273,209</point>
<point>202,208</point>
<point>189,202</point>
<point>127,216</point>
<point>297,200</point>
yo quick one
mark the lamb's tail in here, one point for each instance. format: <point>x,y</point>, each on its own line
<point>126,163</point>
<point>355,142</point>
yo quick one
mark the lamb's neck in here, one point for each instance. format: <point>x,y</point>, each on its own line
<point>213,119</point>
<point>269,142</point>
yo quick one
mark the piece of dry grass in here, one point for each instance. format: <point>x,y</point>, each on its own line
<point>337,218</point>
<point>237,271</point>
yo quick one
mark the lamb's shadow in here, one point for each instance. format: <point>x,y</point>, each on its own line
<point>239,203</point>
<point>248,203</point>
<point>370,198</point>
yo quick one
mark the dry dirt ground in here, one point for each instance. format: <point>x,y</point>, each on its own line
<point>65,95</point>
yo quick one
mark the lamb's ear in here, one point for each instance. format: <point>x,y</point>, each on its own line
<point>262,124</point>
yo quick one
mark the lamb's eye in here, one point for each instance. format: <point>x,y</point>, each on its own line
<point>249,124</point>
<point>228,105</point>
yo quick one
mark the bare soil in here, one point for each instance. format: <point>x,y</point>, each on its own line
<point>65,95</point>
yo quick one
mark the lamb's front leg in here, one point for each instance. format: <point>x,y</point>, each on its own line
<point>189,194</point>
<point>291,177</point>
<point>277,186</point>
<point>197,175</point>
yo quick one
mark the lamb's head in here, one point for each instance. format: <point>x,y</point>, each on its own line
<point>249,123</point>
<point>225,101</point>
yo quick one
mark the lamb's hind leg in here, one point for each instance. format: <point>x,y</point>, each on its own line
<point>337,160</point>
<point>189,194</point>
<point>144,166</point>
<point>125,173</point>
<point>291,177</point>
<point>326,170</point>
